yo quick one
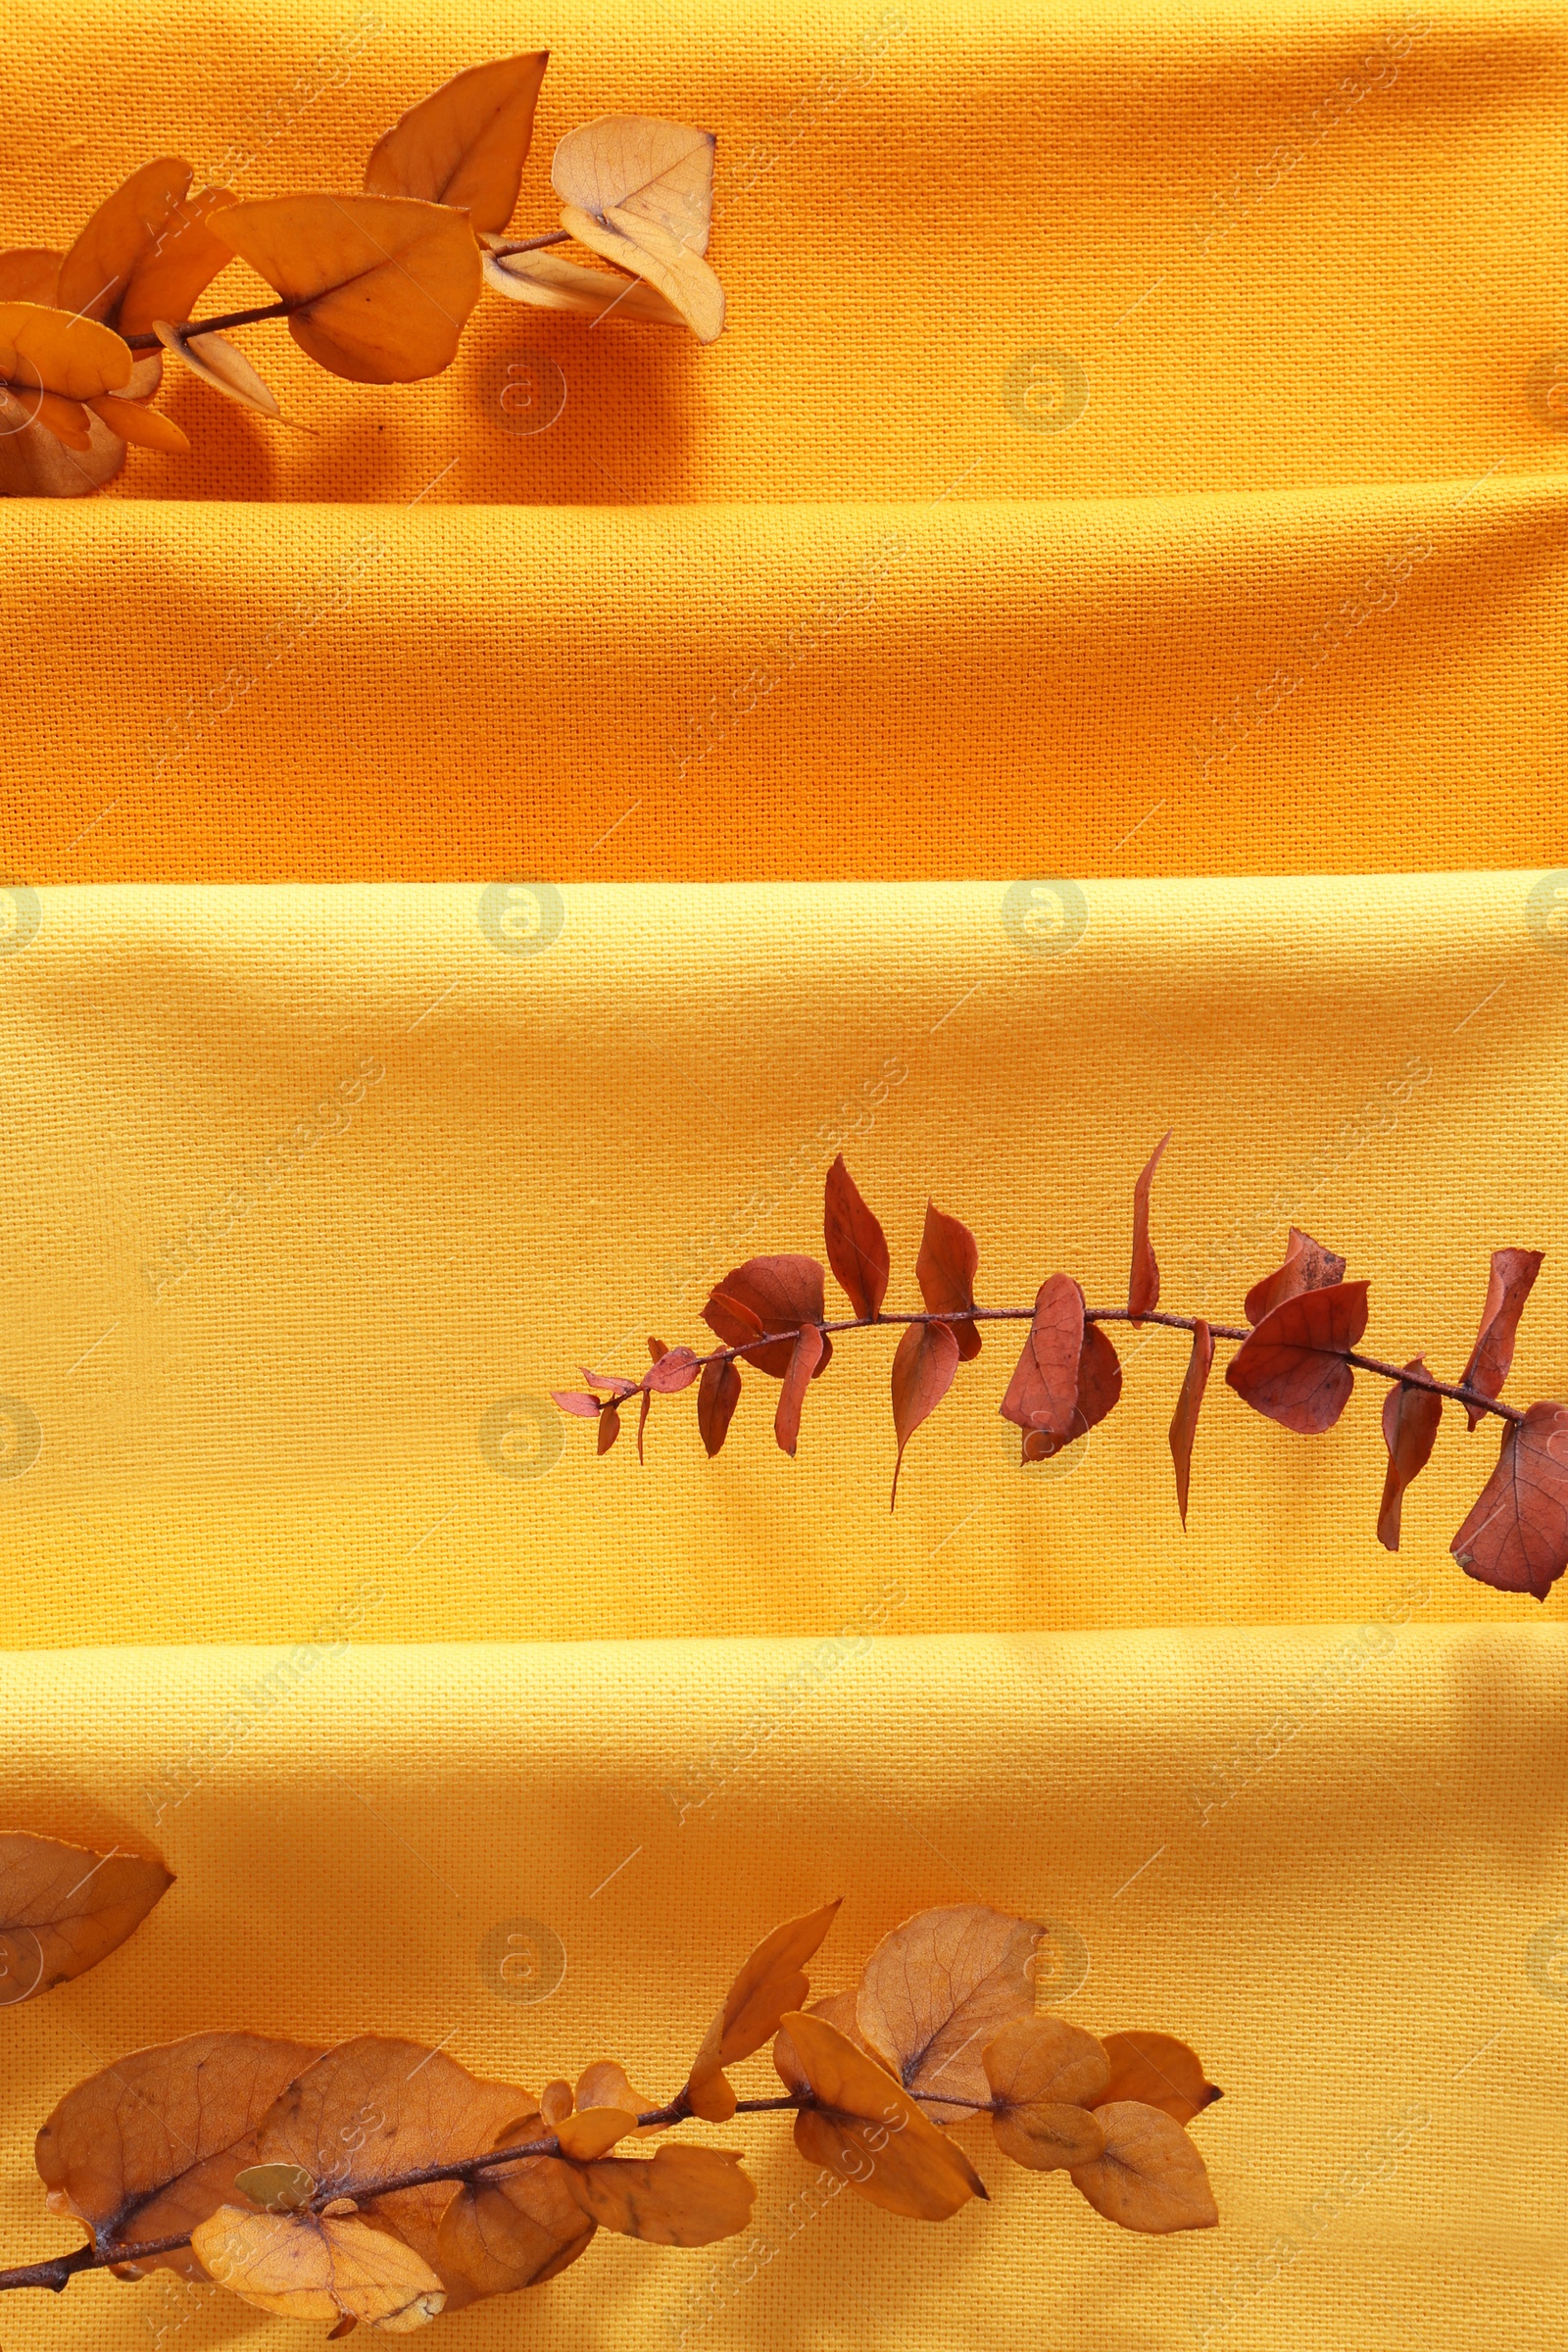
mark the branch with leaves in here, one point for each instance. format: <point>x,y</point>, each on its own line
<point>380,2182</point>
<point>1296,1355</point>
<point>374,287</point>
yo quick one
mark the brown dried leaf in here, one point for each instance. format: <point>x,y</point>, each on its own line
<point>605,2083</point>
<point>310,2266</point>
<point>1143,1284</point>
<point>716,1399</point>
<point>838,2009</point>
<point>1099,1379</point>
<point>63,1909</point>
<point>856,1245</point>
<point>552,283</point>
<point>771,1980</point>
<point>804,1363</point>
<point>1043,1392</point>
<point>384,284</point>
<point>1043,2075</point>
<point>154,2143</point>
<point>923,1366</point>
<point>510,2230</point>
<point>217,362</point>
<point>609,1429</point>
<point>937,1991</point>
<point>34,464</point>
<point>871,2131</point>
<point>945,1270</point>
<point>1184,1421</point>
<point>1291,1368</point>
<point>769,1293</point>
<point>1160,2071</point>
<point>1410,1420</point>
<point>122,236</point>
<point>683,2196</point>
<point>1150,2177</point>
<point>466,144</point>
<point>31,275</point>
<point>1512,1279</point>
<point>680,275</point>
<point>556,2102</point>
<point>1307,1266</point>
<point>1516,1537</point>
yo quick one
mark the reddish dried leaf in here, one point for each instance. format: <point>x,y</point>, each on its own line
<point>609,1428</point>
<point>64,1909</point>
<point>1411,1418</point>
<point>1291,1368</point>
<point>572,1401</point>
<point>643,1411</point>
<point>807,1355</point>
<point>771,1980</point>
<point>937,1991</point>
<point>1158,2070</point>
<point>716,1399</point>
<point>923,1366</point>
<point>672,1369</point>
<point>1307,1266</point>
<point>612,1380</point>
<point>1043,1392</point>
<point>1516,1537</point>
<point>768,1294</point>
<point>1184,1421</point>
<point>1098,1380</point>
<point>856,1245</point>
<point>1143,1283</point>
<point>1150,2177</point>
<point>1513,1275</point>
<point>945,1270</point>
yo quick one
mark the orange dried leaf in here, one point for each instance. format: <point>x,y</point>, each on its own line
<point>34,464</point>
<point>945,1270</point>
<point>1307,1266</point>
<point>510,2229</point>
<point>804,1363</point>
<point>124,235</point>
<point>1043,2076</point>
<point>1158,2070</point>
<point>1411,1422</point>
<point>771,1980</point>
<point>382,284</point>
<point>871,2131</point>
<point>605,2083</point>
<point>66,420</point>
<point>63,1909</point>
<point>1512,1279</point>
<point>31,275</point>
<point>1516,1537</point>
<point>1184,1421</point>
<point>856,1245</point>
<point>838,2008</point>
<point>717,1399</point>
<point>937,1989</point>
<point>217,363</point>
<point>556,2102</point>
<point>1150,2177</point>
<point>50,351</point>
<point>1043,1392</point>
<point>769,1293</point>
<point>1292,1367</point>
<point>145,426</point>
<point>168,277</point>
<point>683,2196</point>
<point>684,280</point>
<point>924,1363</point>
<point>318,2267</point>
<point>1142,1285</point>
<point>276,2187</point>
<point>594,2133</point>
<point>466,144</point>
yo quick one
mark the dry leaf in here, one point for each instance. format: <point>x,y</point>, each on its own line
<point>50,351</point>
<point>1143,1284</point>
<point>681,276</point>
<point>1043,2075</point>
<point>276,2187</point>
<point>168,278</point>
<point>871,2131</point>
<point>63,1909</point>
<point>609,1429</point>
<point>1150,2177</point>
<point>1158,2070</point>
<point>552,283</point>
<point>1516,1537</point>
<point>219,364</point>
<point>838,2009</point>
<point>466,144</point>
<point>672,1369</point>
<point>945,1270</point>
<point>145,426</point>
<point>66,420</point>
<point>656,172</point>
<point>316,2266</point>
<point>937,1991</point>
<point>1184,1421</point>
<point>924,1363</point>
<point>1099,1379</point>
<point>1307,1266</point>
<point>716,1399</point>
<point>1292,1367</point>
<point>1410,1421</point>
<point>556,2102</point>
<point>605,2083</point>
<point>856,1245</point>
<point>771,1980</point>
<point>1043,1392</point>
<point>769,1293</point>
<point>124,235</point>
<point>594,2133</point>
<point>510,2229</point>
<point>681,2198</point>
<point>1512,1279</point>
<point>383,284</point>
<point>803,1364</point>
<point>31,275</point>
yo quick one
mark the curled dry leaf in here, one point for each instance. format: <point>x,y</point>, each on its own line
<point>1307,1266</point>
<point>466,144</point>
<point>310,2266</point>
<point>145,426</point>
<point>33,463</point>
<point>126,234</point>
<point>771,1980</point>
<point>717,1399</point>
<point>381,285</point>
<point>605,2083</point>
<point>682,276</point>
<point>1143,1283</point>
<point>1410,1420</point>
<point>216,361</point>
<point>1158,2070</point>
<point>510,2229</point>
<point>50,351</point>
<point>653,171</point>
<point>552,283</point>
<point>945,1270</point>
<point>856,1245</point>
<point>937,1991</point>
<point>870,2129</point>
<point>1516,1537</point>
<point>63,1909</point>
<point>924,1363</point>
<point>1043,1392</point>
<point>1188,1405</point>
<point>682,2196</point>
<point>609,1429</point>
<point>1150,2177</point>
<point>1291,1368</point>
<point>805,1362</point>
<point>769,1293</point>
<point>556,2102</point>
<point>1512,1279</point>
<point>1043,2076</point>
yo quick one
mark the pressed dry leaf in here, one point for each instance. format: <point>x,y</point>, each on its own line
<point>50,351</point>
<point>145,426</point>
<point>680,275</point>
<point>605,2083</point>
<point>552,283</point>
<point>1143,1283</point>
<point>718,1396</point>
<point>1043,2076</point>
<point>682,2196</point>
<point>838,2009</point>
<point>594,2133</point>
<point>771,1980</point>
<point>1410,1420</point>
<point>1188,1405</point>
<point>167,279</point>
<point>856,1245</point>
<point>937,1989</point>
<point>924,1363</point>
<point>871,2131</point>
<point>1511,1281</point>
<point>1291,1368</point>
<point>124,235</point>
<point>658,172</point>
<point>769,1293</point>
<point>318,2267</point>
<point>510,2229</point>
<point>63,1909</point>
<point>1099,1379</point>
<point>217,362</point>
<point>555,2101</point>
<point>466,144</point>
<point>945,1269</point>
<point>1043,1392</point>
<point>1516,1537</point>
<point>804,1363</point>
<point>1150,2177</point>
<point>1158,2070</point>
<point>672,1369</point>
<point>609,1429</point>
<point>66,420</point>
<point>1308,1266</point>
